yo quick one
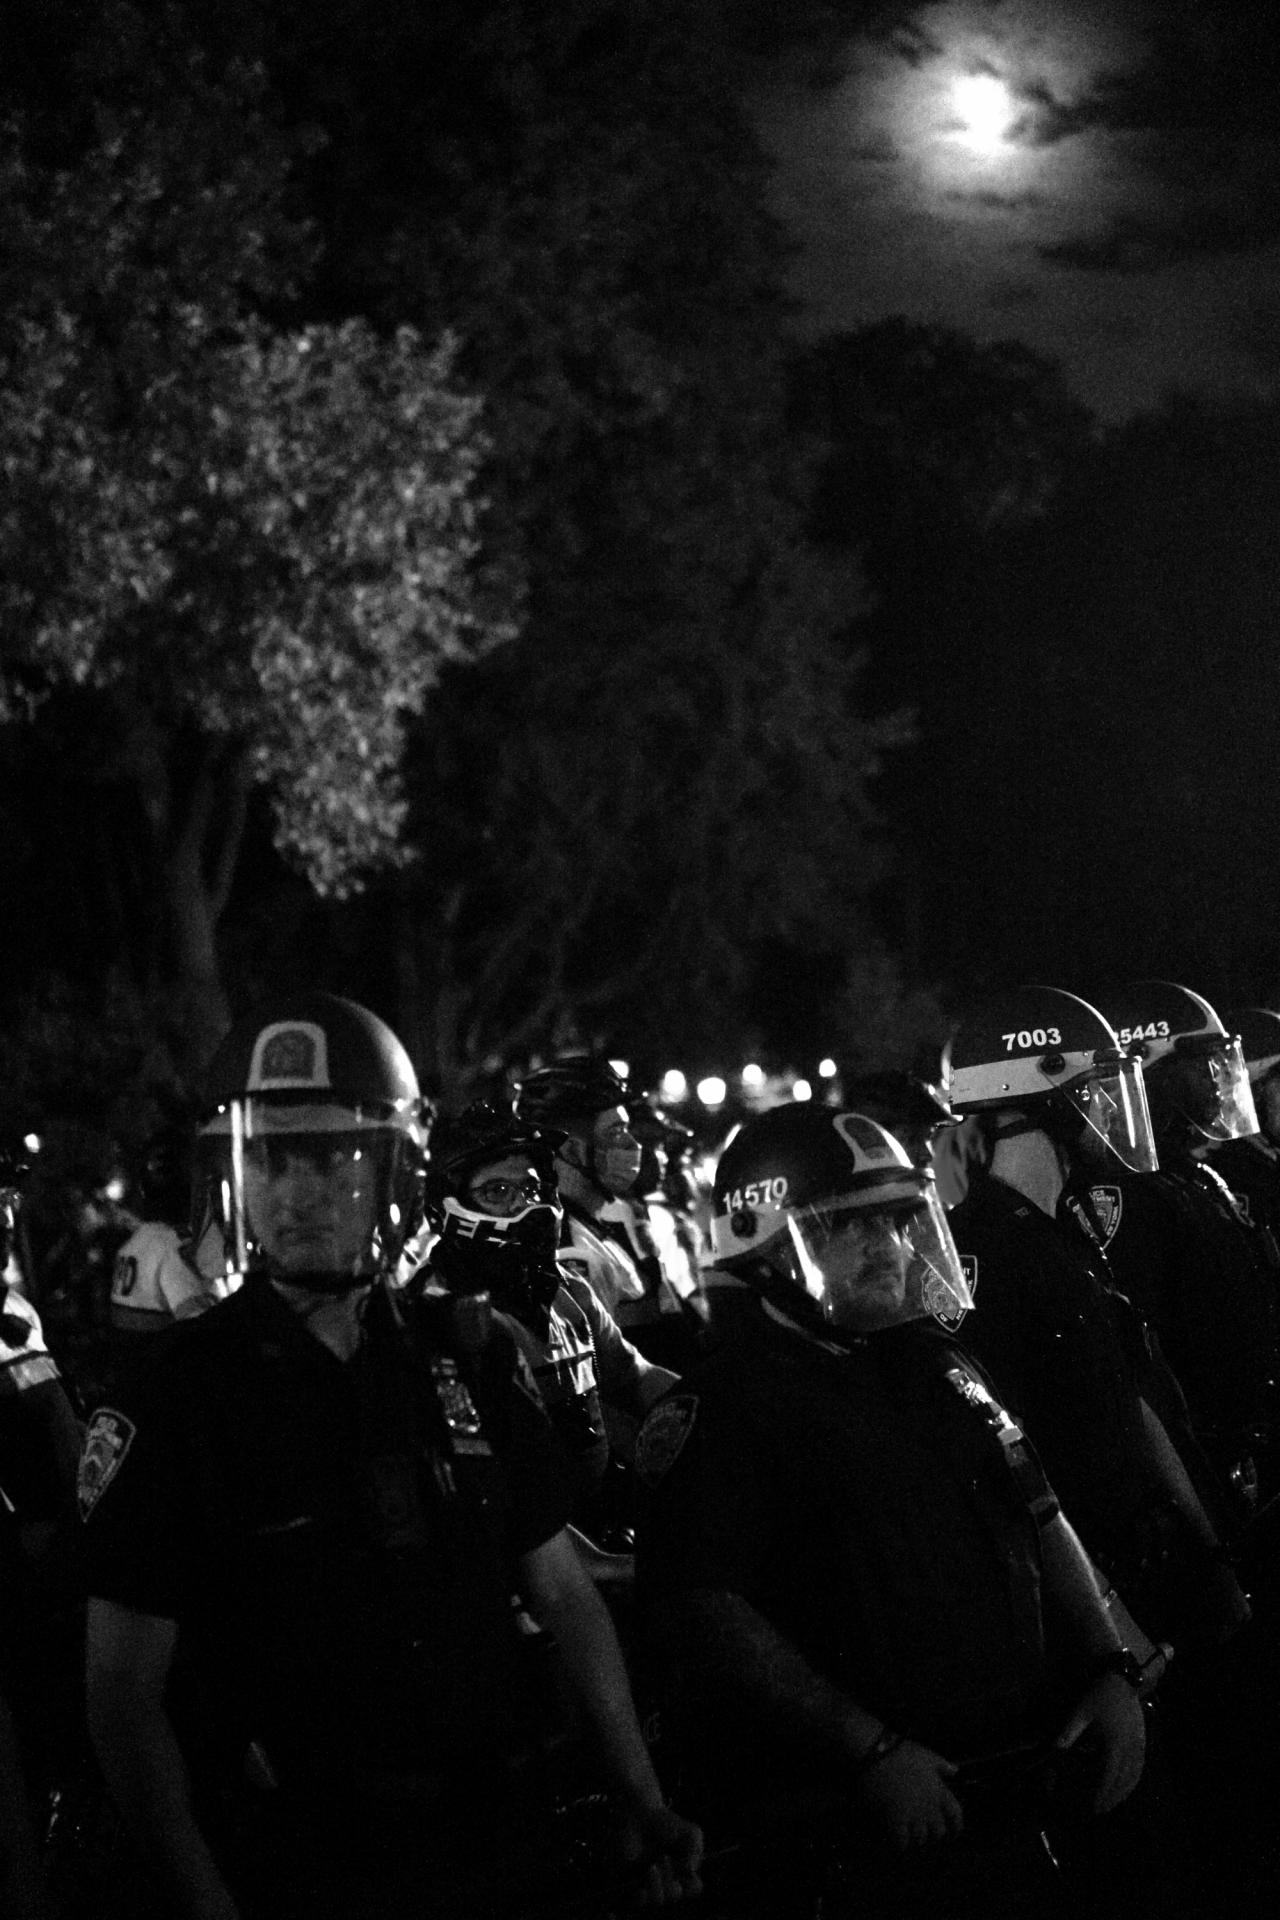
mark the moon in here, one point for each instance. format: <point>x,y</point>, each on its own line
<point>985,107</point>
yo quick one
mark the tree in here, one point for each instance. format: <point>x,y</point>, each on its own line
<point>671,768</point>
<point>248,549</point>
<point>620,836</point>
<point>569,189</point>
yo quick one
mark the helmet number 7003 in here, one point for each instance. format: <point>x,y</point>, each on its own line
<point>1032,1037</point>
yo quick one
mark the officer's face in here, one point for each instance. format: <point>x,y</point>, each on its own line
<point>864,1263</point>
<point>504,1187</point>
<point>311,1200</point>
<point>615,1151</point>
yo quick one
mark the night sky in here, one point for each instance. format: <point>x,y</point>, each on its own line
<point>1090,783</point>
<point>1124,219</point>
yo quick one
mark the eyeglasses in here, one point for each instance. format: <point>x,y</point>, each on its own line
<point>503,1197</point>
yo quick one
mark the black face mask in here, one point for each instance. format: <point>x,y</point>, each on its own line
<point>514,1261</point>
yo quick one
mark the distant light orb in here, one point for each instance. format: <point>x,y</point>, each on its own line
<point>827,1068</point>
<point>712,1091</point>
<point>622,1068</point>
<point>801,1090</point>
<point>753,1076</point>
<point>985,107</point>
<point>674,1084</point>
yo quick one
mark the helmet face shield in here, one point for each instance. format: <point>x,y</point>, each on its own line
<point>936,1278</point>
<point>316,1193</point>
<point>870,1267</point>
<point>1236,1116</point>
<point>1205,1081</point>
<point>1113,1101</point>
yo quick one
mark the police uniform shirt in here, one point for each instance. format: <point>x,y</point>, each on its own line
<point>1062,1348</point>
<point>339,1559</point>
<point>158,1277</point>
<point>1189,1265</point>
<point>623,1259</point>
<point>584,1363</point>
<point>864,1504</point>
<point>609,1268</point>
<point>1251,1169</point>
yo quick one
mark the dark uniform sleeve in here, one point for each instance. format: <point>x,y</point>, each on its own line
<point>537,1487</point>
<point>710,1487</point>
<point>617,1362</point>
<point>137,1518</point>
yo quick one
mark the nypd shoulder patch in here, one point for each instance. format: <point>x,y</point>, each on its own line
<point>106,1443</point>
<point>1107,1204</point>
<point>663,1435</point>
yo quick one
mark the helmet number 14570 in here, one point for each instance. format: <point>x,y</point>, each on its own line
<point>758,1193</point>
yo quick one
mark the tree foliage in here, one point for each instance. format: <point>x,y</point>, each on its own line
<point>672,766</point>
<point>254,545</point>
<point>668,772</point>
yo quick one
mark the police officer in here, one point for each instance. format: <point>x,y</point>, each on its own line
<point>41,1610</point>
<point>491,1195</point>
<point>1178,1243</point>
<point>859,1582</point>
<point>597,1165</point>
<point>1067,1351</point>
<point>916,1108</point>
<point>158,1277</point>
<point>1250,1164</point>
<point>305,1527</point>
<point>657,1221</point>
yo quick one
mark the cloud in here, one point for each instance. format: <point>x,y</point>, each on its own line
<point>1132,228</point>
<point>1014,296</point>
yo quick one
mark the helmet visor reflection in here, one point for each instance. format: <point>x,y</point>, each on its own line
<point>871,1267</point>
<point>936,1277</point>
<point>309,1189</point>
<point>1236,1116</point>
<point>1113,1101</point>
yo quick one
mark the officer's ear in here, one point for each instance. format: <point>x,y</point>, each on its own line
<point>572,1152</point>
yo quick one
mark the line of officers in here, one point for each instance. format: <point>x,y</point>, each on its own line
<point>906,1549</point>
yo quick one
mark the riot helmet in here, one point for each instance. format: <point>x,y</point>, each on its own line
<point>824,1214</point>
<point>664,1141</point>
<point>1194,1069</point>
<point>912,1108</point>
<point>313,1139</point>
<point>491,1196</point>
<point>1053,1063</point>
<point>586,1099</point>
<point>1258,1029</point>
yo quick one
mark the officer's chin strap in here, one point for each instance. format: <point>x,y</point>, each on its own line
<point>1016,1122</point>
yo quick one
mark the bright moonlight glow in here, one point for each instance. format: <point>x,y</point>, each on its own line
<point>986,108</point>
